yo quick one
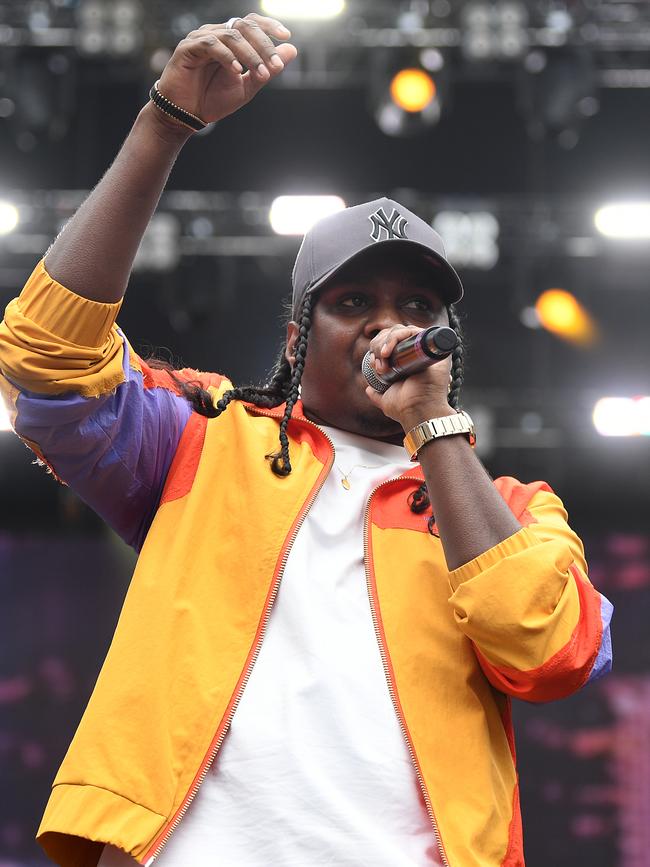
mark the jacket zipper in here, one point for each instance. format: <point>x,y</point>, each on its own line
<point>207,761</point>
<point>391,686</point>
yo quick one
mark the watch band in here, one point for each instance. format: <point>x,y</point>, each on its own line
<point>446,425</point>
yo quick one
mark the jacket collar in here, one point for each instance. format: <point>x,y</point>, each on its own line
<point>298,413</point>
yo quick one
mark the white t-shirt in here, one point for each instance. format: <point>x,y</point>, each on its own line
<point>314,769</point>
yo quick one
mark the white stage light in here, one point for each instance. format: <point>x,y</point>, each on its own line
<point>494,30</point>
<point>432,59</point>
<point>624,220</point>
<point>159,248</point>
<point>471,240</point>
<point>9,217</point>
<point>622,416</point>
<point>303,9</point>
<point>295,215</point>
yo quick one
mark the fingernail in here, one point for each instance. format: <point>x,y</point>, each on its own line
<point>276,61</point>
<point>262,71</point>
<point>236,65</point>
<point>283,30</point>
<point>384,349</point>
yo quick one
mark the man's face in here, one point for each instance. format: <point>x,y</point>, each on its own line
<point>381,288</point>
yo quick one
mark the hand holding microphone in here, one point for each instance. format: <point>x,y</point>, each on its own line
<point>411,356</point>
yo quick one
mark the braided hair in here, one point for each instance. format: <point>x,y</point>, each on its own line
<point>284,386</point>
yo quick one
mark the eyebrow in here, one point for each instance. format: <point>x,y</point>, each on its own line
<point>432,295</point>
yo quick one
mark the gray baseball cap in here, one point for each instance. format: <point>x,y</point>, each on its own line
<point>335,240</point>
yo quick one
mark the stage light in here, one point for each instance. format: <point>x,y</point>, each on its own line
<point>622,416</point>
<point>159,248</point>
<point>528,317</point>
<point>7,106</point>
<point>471,240</point>
<point>127,33</point>
<point>39,16</point>
<point>495,30</point>
<point>412,89</point>
<point>9,217</point>
<point>109,27</point>
<point>295,215</point>
<point>432,59</point>
<point>303,9</point>
<point>563,315</point>
<point>92,36</point>
<point>404,97</point>
<point>396,121</point>
<point>159,59</point>
<point>624,220</point>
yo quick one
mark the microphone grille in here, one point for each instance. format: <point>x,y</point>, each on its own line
<point>371,375</point>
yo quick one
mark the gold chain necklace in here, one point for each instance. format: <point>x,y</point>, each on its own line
<point>345,481</point>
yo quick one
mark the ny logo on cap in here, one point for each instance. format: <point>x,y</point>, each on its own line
<point>394,226</point>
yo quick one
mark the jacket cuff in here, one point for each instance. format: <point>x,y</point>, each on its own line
<point>519,541</point>
<point>64,313</point>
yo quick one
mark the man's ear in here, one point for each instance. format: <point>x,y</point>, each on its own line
<point>292,337</point>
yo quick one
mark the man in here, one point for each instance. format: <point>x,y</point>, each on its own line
<point>316,653</point>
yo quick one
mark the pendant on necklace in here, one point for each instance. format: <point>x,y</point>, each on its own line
<point>345,480</point>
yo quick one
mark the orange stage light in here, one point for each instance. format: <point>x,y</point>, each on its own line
<point>562,314</point>
<point>412,89</point>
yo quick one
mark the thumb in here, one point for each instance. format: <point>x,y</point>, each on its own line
<point>374,396</point>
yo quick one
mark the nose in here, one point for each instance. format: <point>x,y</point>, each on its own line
<point>381,316</point>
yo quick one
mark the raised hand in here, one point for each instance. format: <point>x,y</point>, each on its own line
<point>206,74</point>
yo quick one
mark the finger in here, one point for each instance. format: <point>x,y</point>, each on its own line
<point>244,52</point>
<point>371,393</point>
<point>287,52</point>
<point>209,46</point>
<point>378,340</point>
<point>256,36</point>
<point>384,342</point>
<point>252,85</point>
<point>381,365</point>
<point>271,26</point>
<point>373,396</point>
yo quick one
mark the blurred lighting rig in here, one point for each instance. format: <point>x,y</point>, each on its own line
<point>560,54</point>
<point>478,232</point>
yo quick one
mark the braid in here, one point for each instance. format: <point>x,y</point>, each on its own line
<point>270,395</point>
<point>280,461</point>
<point>418,500</point>
<point>457,358</point>
<point>283,385</point>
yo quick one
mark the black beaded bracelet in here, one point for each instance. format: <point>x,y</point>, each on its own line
<point>195,123</point>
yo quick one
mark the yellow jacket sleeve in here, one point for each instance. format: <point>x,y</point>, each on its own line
<point>54,341</point>
<point>539,628</point>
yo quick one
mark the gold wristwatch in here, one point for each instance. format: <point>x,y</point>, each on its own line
<point>446,425</point>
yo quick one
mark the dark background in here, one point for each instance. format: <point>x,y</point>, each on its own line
<point>584,762</point>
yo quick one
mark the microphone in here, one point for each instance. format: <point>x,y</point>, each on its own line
<point>411,356</point>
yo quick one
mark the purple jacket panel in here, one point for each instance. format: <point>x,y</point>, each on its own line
<point>114,450</point>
